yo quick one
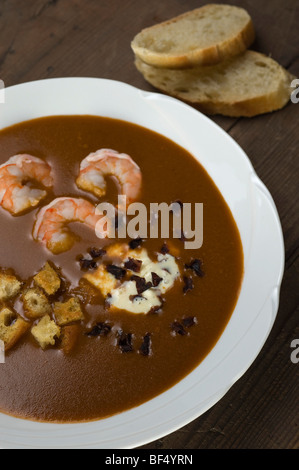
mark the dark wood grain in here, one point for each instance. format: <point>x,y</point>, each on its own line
<point>58,38</point>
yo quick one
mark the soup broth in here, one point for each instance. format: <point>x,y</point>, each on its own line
<point>134,357</point>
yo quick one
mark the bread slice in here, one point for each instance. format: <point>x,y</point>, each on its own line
<point>246,85</point>
<point>204,36</point>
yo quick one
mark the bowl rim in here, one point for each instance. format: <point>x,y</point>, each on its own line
<point>156,418</point>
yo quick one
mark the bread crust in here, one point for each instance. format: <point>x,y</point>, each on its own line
<point>241,106</point>
<point>200,56</point>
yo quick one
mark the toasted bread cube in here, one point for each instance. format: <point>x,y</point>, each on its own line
<point>9,287</point>
<point>12,327</point>
<point>102,280</point>
<point>117,250</point>
<point>68,337</point>
<point>67,312</point>
<point>48,280</point>
<point>45,332</point>
<point>35,303</point>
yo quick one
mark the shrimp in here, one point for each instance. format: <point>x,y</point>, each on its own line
<point>109,162</point>
<point>51,222</point>
<point>15,195</point>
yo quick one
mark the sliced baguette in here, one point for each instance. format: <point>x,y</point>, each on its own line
<point>247,85</point>
<point>204,36</point>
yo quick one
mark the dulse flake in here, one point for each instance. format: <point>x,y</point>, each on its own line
<point>125,342</point>
<point>145,348</point>
<point>156,279</point>
<point>100,329</point>
<point>196,266</point>
<point>87,264</point>
<point>188,284</point>
<point>164,249</point>
<point>133,264</point>
<point>135,243</point>
<point>141,284</point>
<point>116,271</point>
<point>97,252</point>
<point>188,321</point>
<point>178,328</point>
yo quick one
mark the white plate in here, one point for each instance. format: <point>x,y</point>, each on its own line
<point>261,234</point>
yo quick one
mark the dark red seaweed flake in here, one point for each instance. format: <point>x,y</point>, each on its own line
<point>156,279</point>
<point>164,249</point>
<point>97,252</point>
<point>141,284</point>
<point>196,266</point>
<point>188,321</point>
<point>116,271</point>
<point>133,264</point>
<point>155,309</point>
<point>178,328</point>
<point>125,342</point>
<point>87,264</point>
<point>106,302</point>
<point>100,329</point>
<point>135,243</point>
<point>188,284</point>
<point>145,348</point>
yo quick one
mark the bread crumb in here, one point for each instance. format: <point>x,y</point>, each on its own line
<point>68,337</point>
<point>9,287</point>
<point>67,312</point>
<point>102,280</point>
<point>35,303</point>
<point>12,327</point>
<point>48,280</point>
<point>45,332</point>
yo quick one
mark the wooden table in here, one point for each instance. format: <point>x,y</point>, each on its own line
<point>56,38</point>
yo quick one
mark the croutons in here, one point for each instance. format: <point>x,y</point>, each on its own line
<point>67,312</point>
<point>35,303</point>
<point>45,332</point>
<point>68,337</point>
<point>117,250</point>
<point>102,280</point>
<point>48,280</point>
<point>9,287</point>
<point>12,327</point>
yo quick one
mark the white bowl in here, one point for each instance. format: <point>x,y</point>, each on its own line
<point>261,234</point>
